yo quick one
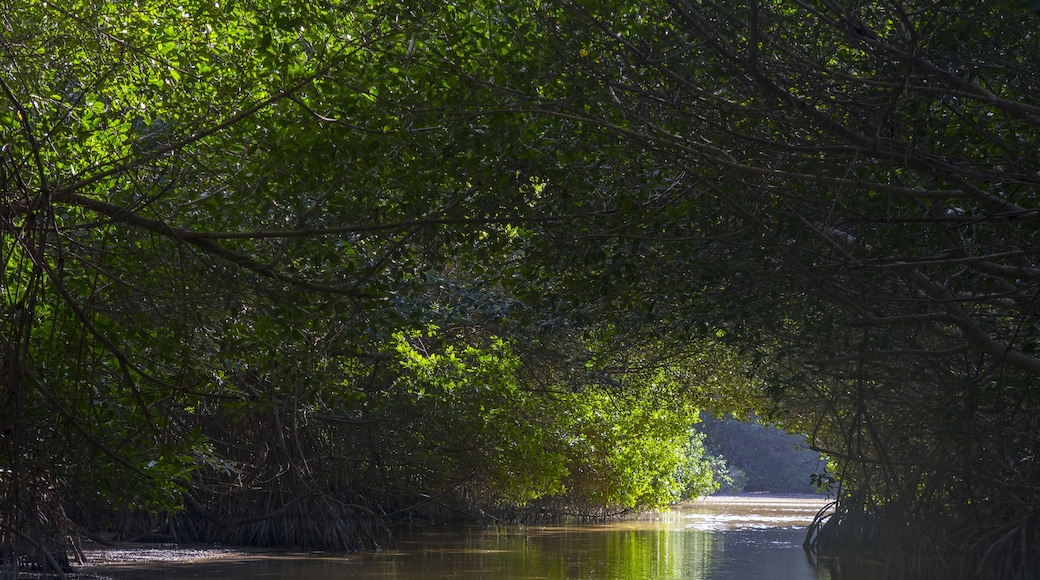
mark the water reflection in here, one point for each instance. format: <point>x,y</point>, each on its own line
<point>565,552</point>
<point>710,540</point>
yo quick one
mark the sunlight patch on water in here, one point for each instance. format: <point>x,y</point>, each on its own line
<point>750,513</point>
<point>722,522</point>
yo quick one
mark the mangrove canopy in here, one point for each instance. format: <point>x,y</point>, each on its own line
<point>365,260</point>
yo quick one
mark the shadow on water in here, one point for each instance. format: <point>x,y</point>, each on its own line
<point>712,539</point>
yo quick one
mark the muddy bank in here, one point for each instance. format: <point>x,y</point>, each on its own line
<point>101,562</point>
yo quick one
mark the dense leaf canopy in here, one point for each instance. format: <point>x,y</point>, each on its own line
<point>391,254</point>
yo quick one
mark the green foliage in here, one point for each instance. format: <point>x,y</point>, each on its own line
<point>472,416</point>
<point>840,190</point>
<point>228,228</point>
<point>600,449</point>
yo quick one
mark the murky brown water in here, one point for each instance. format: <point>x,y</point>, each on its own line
<point>712,539</point>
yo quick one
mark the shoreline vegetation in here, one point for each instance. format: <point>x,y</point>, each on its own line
<point>100,561</point>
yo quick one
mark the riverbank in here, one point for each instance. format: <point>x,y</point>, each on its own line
<point>102,561</point>
<point>711,513</point>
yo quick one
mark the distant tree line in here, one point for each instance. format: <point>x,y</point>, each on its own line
<point>758,458</point>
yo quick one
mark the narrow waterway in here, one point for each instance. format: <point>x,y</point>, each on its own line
<point>712,539</point>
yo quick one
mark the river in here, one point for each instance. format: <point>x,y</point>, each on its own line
<point>712,539</point>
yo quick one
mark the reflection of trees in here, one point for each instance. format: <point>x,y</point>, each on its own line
<point>773,552</point>
<point>608,552</point>
<point>654,551</point>
<point>659,554</point>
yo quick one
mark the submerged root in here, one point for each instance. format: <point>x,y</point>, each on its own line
<point>313,521</point>
<point>262,519</point>
<point>934,547</point>
<point>1013,551</point>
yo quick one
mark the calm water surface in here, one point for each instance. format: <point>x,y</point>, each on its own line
<point>712,539</point>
